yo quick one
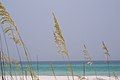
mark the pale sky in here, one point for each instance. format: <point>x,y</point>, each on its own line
<point>82,22</point>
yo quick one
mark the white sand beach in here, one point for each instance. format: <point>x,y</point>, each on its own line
<point>62,78</point>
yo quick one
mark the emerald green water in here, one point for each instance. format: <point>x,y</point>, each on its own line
<point>43,68</point>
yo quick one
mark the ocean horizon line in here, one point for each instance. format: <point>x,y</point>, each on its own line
<point>63,60</point>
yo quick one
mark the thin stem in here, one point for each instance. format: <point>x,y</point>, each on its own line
<point>108,65</point>
<point>37,67</point>
<point>70,66</point>
<point>21,66</point>
<point>1,61</point>
<point>53,71</point>
<point>10,66</point>
<point>66,69</point>
<point>84,68</point>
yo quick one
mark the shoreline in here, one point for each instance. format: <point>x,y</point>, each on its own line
<point>44,77</point>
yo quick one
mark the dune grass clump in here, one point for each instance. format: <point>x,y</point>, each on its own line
<point>61,45</point>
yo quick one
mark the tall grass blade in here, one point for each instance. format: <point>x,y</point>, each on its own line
<point>87,59</point>
<point>52,68</point>
<point>9,27</point>
<point>60,42</point>
<point>106,52</point>
<point>1,61</point>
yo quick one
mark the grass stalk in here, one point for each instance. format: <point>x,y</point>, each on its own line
<point>106,52</point>
<point>10,66</point>
<point>53,71</point>
<point>70,67</point>
<point>1,61</point>
<point>59,40</point>
<point>37,66</point>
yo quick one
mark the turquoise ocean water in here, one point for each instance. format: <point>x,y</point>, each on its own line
<point>43,68</point>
